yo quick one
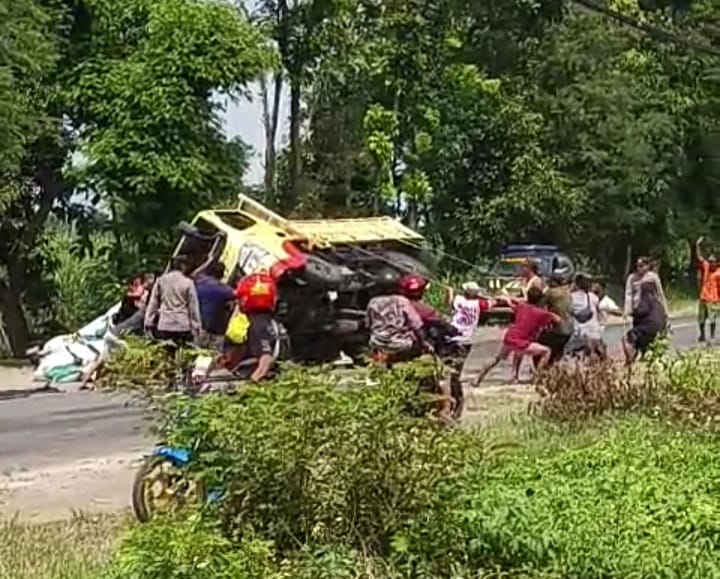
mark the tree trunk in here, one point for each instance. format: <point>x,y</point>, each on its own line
<point>295,152</point>
<point>270,120</point>
<point>412,215</point>
<point>628,260</point>
<point>13,314</point>
<point>47,175</point>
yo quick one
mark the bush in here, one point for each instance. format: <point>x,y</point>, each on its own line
<point>690,383</point>
<point>329,476</point>
<point>143,367</point>
<point>639,501</point>
<point>306,463</point>
<point>189,549</point>
<point>81,275</point>
<point>573,391</point>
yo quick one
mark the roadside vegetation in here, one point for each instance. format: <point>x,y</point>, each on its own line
<point>479,124</point>
<point>79,548</point>
<point>324,479</point>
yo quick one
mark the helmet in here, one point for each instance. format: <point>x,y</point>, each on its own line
<point>412,286</point>
<point>387,280</point>
<point>256,293</point>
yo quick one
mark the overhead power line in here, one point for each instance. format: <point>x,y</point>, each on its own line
<point>653,31</point>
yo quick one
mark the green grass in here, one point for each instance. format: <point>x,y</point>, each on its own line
<point>75,549</point>
<point>632,497</point>
<point>627,495</point>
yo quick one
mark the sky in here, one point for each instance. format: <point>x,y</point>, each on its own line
<point>244,119</point>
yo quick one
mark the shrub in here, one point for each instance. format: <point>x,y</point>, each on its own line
<point>143,367</point>
<point>640,500</point>
<point>304,462</point>
<point>331,476</point>
<point>575,391</point>
<point>690,383</point>
<point>189,549</point>
<point>81,275</point>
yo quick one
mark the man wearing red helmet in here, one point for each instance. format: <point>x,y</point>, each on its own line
<point>395,327</point>
<point>256,297</point>
<point>413,286</point>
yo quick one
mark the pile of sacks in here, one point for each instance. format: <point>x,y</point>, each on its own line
<point>65,358</point>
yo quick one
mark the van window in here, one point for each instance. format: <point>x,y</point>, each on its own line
<point>235,219</point>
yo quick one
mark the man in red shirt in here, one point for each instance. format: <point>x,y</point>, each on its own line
<point>709,278</point>
<point>530,320</point>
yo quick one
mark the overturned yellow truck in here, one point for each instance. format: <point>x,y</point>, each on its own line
<point>325,269</point>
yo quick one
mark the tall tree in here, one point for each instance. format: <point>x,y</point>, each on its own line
<point>28,51</point>
<point>133,93</point>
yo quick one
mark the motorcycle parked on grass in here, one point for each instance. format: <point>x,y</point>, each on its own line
<point>162,483</point>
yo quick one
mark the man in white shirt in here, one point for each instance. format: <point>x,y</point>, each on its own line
<point>606,306</point>
<point>467,308</point>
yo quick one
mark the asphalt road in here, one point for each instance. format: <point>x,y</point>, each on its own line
<point>42,429</point>
<point>43,433</point>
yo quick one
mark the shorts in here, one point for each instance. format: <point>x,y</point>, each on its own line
<point>175,340</point>
<point>508,348</point>
<point>642,338</point>
<point>398,346</point>
<point>556,342</point>
<point>590,347</point>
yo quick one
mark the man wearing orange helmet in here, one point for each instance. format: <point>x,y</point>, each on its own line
<point>256,298</point>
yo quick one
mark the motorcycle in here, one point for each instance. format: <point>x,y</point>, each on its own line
<point>162,483</point>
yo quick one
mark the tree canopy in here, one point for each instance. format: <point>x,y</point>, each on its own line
<point>114,116</point>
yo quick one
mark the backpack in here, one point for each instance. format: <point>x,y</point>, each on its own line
<point>586,314</point>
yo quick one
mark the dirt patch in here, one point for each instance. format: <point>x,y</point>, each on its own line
<point>488,403</point>
<point>97,485</point>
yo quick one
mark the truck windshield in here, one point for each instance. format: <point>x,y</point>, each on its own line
<point>512,266</point>
<point>235,219</point>
<point>507,268</point>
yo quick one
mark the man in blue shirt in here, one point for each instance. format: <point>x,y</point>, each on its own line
<point>216,299</point>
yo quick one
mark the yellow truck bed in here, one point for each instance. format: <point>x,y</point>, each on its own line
<point>331,231</point>
<point>359,230</point>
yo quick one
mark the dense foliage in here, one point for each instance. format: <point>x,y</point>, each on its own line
<point>111,125</point>
<point>513,120</point>
<point>334,477</point>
